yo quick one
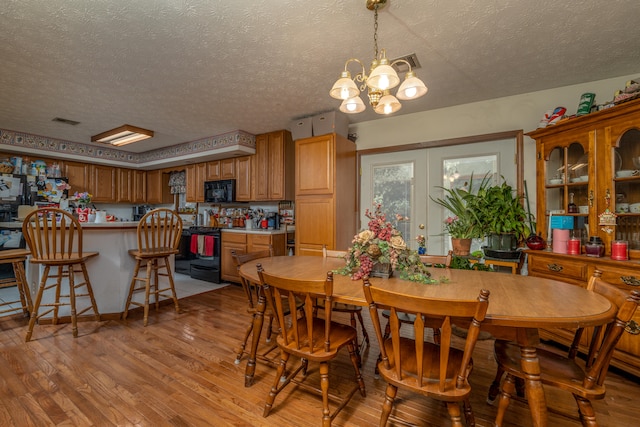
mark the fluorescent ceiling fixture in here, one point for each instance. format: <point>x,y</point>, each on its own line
<point>125,134</point>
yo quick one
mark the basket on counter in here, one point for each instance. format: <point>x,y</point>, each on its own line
<point>6,167</point>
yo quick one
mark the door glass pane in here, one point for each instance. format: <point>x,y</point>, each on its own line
<point>393,189</point>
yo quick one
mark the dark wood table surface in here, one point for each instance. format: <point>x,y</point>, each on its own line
<point>518,306</point>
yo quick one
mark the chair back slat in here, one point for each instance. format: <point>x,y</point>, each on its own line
<point>159,230</point>
<point>432,260</point>
<point>239,259</point>
<point>52,233</point>
<point>428,312</point>
<point>284,296</point>
<point>604,338</point>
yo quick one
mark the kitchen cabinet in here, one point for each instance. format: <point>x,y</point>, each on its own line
<point>78,175</point>
<point>196,176</point>
<point>274,166</point>
<point>325,186</point>
<point>125,185</point>
<point>158,191</point>
<point>244,243</point>
<point>592,160</point>
<point>227,169</point>
<point>139,186</point>
<point>103,183</point>
<point>243,178</point>
<point>132,186</point>
<point>213,170</point>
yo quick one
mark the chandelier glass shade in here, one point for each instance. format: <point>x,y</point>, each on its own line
<point>381,79</point>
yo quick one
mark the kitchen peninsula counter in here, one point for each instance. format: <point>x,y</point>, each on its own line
<point>110,272</point>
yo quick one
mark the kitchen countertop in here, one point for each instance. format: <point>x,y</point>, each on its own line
<point>92,225</point>
<point>258,230</point>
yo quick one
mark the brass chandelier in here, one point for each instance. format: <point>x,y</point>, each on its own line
<point>381,79</point>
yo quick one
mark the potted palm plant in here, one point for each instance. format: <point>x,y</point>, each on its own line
<point>463,224</point>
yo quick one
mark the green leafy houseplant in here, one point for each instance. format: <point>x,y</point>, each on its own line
<point>461,202</point>
<point>500,211</point>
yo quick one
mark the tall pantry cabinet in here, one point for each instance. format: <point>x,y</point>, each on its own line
<point>325,187</point>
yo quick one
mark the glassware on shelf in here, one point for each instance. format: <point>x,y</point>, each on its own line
<point>572,207</point>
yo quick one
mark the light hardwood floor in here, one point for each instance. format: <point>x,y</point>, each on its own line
<point>179,371</point>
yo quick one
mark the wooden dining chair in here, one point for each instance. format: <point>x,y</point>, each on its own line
<point>354,311</point>
<point>252,292</point>
<point>159,233</point>
<point>437,261</point>
<point>54,238</point>
<point>16,257</point>
<point>310,338</point>
<point>584,380</point>
<point>439,371</point>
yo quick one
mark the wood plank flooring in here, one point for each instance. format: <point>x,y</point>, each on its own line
<point>179,371</point>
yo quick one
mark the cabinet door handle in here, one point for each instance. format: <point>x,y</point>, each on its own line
<point>554,267</point>
<point>630,280</point>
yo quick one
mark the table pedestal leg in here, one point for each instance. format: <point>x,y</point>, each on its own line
<point>533,386</point>
<point>258,320</point>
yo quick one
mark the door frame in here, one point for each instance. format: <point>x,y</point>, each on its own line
<point>518,135</point>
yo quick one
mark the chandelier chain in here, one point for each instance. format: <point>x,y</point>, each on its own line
<point>375,32</point>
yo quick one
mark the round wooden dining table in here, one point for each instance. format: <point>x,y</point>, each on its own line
<point>518,306</point>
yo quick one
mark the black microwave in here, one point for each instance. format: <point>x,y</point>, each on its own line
<point>223,191</point>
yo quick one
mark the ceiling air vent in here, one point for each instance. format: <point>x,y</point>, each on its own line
<point>65,121</point>
<point>401,67</point>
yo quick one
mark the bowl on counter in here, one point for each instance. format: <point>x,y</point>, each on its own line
<point>634,208</point>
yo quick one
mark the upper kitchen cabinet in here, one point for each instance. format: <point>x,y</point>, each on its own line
<point>78,175</point>
<point>325,211</point>
<point>132,186</point>
<point>227,169</point>
<point>139,186</point>
<point>274,166</point>
<point>213,170</point>
<point>243,168</point>
<point>196,176</point>
<point>104,183</point>
<point>158,191</point>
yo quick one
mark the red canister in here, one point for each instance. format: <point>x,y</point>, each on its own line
<point>573,246</point>
<point>619,250</point>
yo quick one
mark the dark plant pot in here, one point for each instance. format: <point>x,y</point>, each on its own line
<point>502,242</point>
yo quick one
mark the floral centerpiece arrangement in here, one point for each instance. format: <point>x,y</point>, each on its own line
<point>382,243</point>
<point>83,198</point>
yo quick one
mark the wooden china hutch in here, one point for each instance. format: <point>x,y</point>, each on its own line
<point>592,162</point>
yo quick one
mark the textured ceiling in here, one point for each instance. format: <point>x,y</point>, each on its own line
<point>190,69</point>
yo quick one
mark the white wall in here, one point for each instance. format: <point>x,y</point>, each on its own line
<point>497,115</point>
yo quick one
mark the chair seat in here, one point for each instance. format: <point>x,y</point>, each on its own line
<point>152,252</point>
<point>68,259</point>
<point>431,365</point>
<point>341,335</point>
<point>555,369</point>
<point>10,254</point>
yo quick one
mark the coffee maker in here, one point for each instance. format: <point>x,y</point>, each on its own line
<point>273,221</point>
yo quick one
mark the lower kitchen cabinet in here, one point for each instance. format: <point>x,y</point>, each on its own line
<point>577,269</point>
<point>247,242</point>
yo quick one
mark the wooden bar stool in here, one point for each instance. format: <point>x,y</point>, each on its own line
<point>159,234</point>
<point>16,257</point>
<point>54,238</point>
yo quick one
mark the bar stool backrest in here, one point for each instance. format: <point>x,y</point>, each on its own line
<point>52,234</point>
